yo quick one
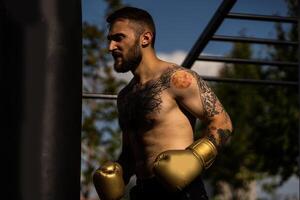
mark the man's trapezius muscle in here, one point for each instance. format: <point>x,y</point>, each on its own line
<point>154,121</point>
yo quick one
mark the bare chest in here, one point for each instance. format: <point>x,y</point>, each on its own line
<point>142,106</point>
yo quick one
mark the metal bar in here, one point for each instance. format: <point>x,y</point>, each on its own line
<point>206,78</point>
<point>225,38</point>
<point>99,96</point>
<point>246,16</point>
<point>247,61</point>
<point>210,30</point>
<point>251,81</point>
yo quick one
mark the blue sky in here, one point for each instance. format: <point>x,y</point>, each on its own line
<point>179,23</point>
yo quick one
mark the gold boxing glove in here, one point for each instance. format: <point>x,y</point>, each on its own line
<point>108,181</point>
<point>178,168</point>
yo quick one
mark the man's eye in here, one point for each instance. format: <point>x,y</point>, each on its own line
<point>118,38</point>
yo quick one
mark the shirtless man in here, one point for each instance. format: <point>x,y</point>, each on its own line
<point>157,114</point>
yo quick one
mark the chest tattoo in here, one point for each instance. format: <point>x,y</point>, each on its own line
<point>137,102</point>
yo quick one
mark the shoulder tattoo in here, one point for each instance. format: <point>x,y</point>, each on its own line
<point>182,78</point>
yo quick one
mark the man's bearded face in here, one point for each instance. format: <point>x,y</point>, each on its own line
<point>127,59</point>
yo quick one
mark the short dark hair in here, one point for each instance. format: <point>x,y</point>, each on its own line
<point>140,16</point>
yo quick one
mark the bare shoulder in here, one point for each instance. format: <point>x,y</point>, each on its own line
<point>189,88</point>
<point>181,79</point>
<point>177,74</point>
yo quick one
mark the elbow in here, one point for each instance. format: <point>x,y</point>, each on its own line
<point>227,123</point>
<point>226,131</point>
<point>230,127</point>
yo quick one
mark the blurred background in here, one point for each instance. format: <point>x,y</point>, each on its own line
<point>261,161</point>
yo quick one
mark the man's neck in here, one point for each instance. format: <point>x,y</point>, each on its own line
<point>148,69</point>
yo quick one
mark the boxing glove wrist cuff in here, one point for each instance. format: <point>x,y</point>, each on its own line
<point>205,151</point>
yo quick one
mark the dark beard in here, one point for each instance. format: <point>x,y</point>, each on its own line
<point>133,60</point>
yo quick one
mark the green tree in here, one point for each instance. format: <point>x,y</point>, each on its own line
<point>265,118</point>
<point>283,108</point>
<point>100,130</point>
<point>238,163</point>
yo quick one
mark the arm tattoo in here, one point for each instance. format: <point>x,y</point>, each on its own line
<point>137,101</point>
<point>213,139</point>
<point>210,102</point>
<point>224,135</point>
<point>218,136</point>
<point>208,98</point>
<point>181,79</point>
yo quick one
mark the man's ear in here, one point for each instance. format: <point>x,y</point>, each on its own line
<point>146,38</point>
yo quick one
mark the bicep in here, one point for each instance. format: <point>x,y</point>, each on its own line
<point>195,95</point>
<point>200,100</point>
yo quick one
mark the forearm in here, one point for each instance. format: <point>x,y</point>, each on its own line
<point>127,163</point>
<point>218,136</point>
<point>218,131</point>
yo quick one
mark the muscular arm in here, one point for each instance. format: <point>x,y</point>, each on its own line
<point>126,159</point>
<point>194,94</point>
<point>176,169</point>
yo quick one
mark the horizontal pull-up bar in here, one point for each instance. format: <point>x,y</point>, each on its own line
<point>99,96</point>
<point>206,78</point>
<point>225,38</point>
<point>269,18</point>
<point>251,81</point>
<point>247,61</point>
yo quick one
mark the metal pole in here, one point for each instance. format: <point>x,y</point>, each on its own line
<point>251,81</point>
<point>208,32</point>
<point>224,38</point>
<point>99,96</point>
<point>248,61</point>
<point>262,17</point>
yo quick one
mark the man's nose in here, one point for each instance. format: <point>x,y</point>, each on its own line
<point>112,46</point>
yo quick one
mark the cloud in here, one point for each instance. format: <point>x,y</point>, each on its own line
<point>201,67</point>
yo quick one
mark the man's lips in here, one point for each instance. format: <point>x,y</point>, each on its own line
<point>116,54</point>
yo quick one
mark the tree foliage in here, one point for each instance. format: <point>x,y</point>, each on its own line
<point>100,131</point>
<point>265,117</point>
